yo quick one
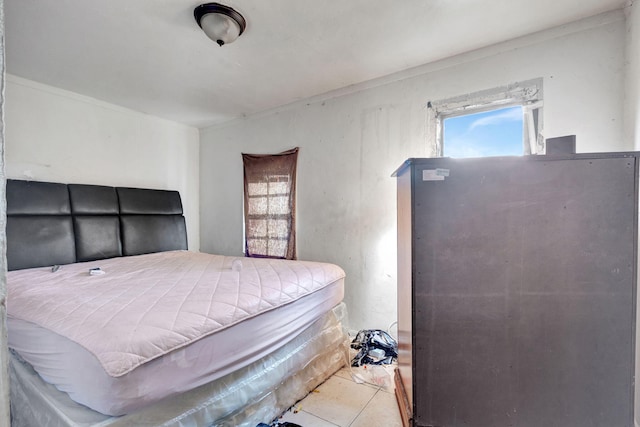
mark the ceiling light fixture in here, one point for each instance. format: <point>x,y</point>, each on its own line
<point>220,23</point>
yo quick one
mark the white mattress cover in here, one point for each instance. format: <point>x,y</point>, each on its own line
<point>149,305</point>
<point>75,370</point>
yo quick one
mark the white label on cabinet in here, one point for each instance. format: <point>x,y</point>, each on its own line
<point>434,174</point>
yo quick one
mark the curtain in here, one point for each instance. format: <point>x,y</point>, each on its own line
<point>270,204</point>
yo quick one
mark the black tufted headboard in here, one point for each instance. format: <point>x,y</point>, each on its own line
<point>54,224</point>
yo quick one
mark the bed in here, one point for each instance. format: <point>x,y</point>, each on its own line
<point>112,322</point>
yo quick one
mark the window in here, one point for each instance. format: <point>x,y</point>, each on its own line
<point>269,204</point>
<point>498,122</point>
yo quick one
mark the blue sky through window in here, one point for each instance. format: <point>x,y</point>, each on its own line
<point>490,133</point>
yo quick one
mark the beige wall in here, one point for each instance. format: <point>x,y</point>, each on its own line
<point>56,135</point>
<point>632,75</point>
<point>350,145</point>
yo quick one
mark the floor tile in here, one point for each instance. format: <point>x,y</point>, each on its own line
<point>344,373</point>
<point>358,375</point>
<point>374,376</point>
<point>382,410</point>
<point>337,400</point>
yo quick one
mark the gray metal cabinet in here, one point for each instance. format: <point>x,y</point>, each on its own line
<point>517,291</point>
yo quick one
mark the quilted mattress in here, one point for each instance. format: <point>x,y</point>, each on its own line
<point>161,309</point>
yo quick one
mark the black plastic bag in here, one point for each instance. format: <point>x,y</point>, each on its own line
<point>376,347</point>
<point>279,424</point>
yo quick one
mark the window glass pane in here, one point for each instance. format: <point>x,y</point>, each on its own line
<point>279,205</point>
<point>277,248</point>
<point>490,133</point>
<point>257,189</point>
<point>257,205</point>
<point>257,246</point>
<point>257,228</point>
<point>279,187</point>
<point>278,228</point>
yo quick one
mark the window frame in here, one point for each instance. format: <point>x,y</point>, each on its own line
<point>527,94</point>
<point>268,237</point>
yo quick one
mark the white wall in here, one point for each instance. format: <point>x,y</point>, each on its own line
<point>632,81</point>
<point>351,144</point>
<point>59,136</point>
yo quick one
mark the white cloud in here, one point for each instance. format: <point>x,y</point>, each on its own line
<point>510,115</point>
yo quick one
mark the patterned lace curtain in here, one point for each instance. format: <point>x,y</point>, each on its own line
<point>270,204</point>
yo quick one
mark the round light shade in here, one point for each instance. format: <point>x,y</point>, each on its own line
<point>220,23</point>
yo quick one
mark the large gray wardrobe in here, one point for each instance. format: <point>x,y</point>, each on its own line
<point>517,291</point>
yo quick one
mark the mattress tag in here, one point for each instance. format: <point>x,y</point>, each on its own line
<point>434,174</point>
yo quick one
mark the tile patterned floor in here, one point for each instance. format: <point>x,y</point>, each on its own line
<point>342,402</point>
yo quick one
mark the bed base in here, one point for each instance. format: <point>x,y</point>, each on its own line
<point>257,393</point>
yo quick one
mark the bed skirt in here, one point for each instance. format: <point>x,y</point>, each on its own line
<point>256,393</point>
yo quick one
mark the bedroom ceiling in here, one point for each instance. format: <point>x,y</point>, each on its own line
<point>151,56</point>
